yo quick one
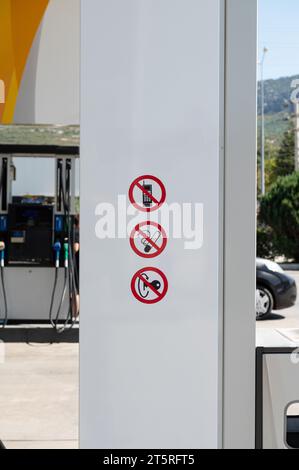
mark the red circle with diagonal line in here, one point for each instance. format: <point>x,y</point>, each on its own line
<point>149,286</point>
<point>148,187</point>
<point>148,239</point>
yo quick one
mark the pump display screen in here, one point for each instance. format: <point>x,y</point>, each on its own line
<point>38,217</point>
<point>30,235</point>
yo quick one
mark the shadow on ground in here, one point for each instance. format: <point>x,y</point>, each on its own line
<point>38,335</point>
<point>272,316</point>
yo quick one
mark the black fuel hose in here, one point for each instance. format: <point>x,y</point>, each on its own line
<point>4,321</point>
<point>70,274</point>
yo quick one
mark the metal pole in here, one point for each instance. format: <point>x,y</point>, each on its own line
<point>263,186</point>
<point>263,189</point>
<point>296,136</point>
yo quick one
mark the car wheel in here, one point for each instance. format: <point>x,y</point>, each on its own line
<point>264,303</point>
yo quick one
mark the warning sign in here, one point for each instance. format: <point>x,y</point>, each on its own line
<point>148,239</point>
<point>149,285</point>
<point>147,193</point>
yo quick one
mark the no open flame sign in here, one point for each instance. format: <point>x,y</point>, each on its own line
<point>149,285</point>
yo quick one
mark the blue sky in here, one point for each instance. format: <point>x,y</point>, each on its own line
<point>279,32</point>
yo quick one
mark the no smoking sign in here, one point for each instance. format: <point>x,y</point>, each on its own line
<point>148,239</point>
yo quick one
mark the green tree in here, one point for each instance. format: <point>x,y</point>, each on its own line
<point>279,210</point>
<point>285,159</point>
<point>270,172</point>
<point>270,165</point>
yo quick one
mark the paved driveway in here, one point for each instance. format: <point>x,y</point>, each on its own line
<point>39,396</point>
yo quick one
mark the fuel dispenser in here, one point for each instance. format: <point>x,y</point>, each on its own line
<point>39,277</point>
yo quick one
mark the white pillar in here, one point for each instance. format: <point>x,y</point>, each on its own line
<point>240,224</point>
<point>153,103</point>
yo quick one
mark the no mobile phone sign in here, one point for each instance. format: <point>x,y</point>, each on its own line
<point>147,193</point>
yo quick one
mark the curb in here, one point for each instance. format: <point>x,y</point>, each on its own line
<point>289,267</point>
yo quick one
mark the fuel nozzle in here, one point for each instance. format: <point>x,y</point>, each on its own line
<point>57,249</point>
<point>2,254</point>
<point>66,253</point>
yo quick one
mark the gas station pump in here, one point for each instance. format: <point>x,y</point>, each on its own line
<point>37,236</point>
<point>64,238</point>
<point>3,320</point>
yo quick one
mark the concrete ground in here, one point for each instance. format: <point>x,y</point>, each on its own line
<point>39,389</point>
<point>39,396</point>
<point>288,318</point>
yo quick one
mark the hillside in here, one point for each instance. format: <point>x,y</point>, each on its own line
<point>277,95</point>
<point>275,127</point>
<point>38,135</point>
<point>278,108</point>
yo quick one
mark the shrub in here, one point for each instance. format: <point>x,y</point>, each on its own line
<point>265,248</point>
<point>279,210</point>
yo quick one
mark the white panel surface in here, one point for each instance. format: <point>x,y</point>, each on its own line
<point>150,105</point>
<point>29,293</point>
<point>280,389</point>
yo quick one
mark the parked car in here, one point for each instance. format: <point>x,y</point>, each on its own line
<point>275,290</point>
